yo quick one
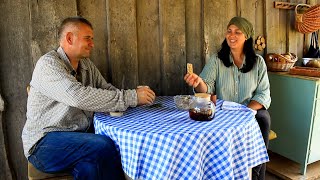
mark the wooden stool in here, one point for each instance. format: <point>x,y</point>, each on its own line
<point>272,135</point>
<point>35,174</point>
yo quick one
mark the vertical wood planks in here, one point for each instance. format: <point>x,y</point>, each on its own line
<point>294,38</point>
<point>194,35</point>
<point>252,17</point>
<point>46,17</point>
<point>259,23</point>
<point>275,44</point>
<point>95,12</point>
<point>29,31</point>
<point>248,11</point>
<point>282,29</point>
<point>173,46</point>
<point>123,43</point>
<point>217,14</point>
<point>149,45</point>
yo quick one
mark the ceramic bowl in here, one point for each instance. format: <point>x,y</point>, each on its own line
<point>182,101</point>
<point>306,60</point>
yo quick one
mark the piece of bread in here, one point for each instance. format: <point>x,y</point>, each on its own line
<point>189,68</point>
<point>313,63</point>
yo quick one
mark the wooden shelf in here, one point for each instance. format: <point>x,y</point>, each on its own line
<point>287,5</point>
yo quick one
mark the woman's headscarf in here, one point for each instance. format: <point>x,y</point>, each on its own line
<point>244,25</point>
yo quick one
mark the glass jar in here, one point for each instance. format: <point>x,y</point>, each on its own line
<point>201,108</point>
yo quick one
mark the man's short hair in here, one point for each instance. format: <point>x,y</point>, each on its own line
<point>72,21</point>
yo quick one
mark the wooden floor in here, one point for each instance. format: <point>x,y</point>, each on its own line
<point>284,168</point>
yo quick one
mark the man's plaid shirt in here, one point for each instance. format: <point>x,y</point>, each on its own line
<point>61,99</point>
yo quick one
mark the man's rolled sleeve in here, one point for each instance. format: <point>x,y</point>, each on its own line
<point>131,97</point>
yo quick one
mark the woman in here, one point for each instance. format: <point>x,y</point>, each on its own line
<point>237,74</point>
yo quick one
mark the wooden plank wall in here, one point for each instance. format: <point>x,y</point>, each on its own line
<point>15,71</point>
<point>137,42</point>
<point>148,44</point>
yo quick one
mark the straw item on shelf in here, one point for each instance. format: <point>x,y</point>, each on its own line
<point>260,43</point>
<point>305,71</point>
<point>280,62</point>
<point>309,20</point>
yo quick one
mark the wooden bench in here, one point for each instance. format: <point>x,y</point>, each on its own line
<point>35,174</point>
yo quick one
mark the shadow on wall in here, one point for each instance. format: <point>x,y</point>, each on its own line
<point>1,104</point>
<point>4,166</point>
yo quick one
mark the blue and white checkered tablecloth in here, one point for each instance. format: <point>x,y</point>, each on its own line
<point>164,143</point>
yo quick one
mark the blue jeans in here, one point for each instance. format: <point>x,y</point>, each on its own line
<point>85,155</point>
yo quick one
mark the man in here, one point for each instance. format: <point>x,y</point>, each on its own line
<point>66,88</point>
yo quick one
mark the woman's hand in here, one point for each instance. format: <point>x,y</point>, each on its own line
<point>196,82</point>
<point>192,80</point>
<point>254,105</point>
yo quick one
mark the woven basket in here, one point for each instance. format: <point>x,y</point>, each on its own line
<point>309,21</point>
<point>278,62</point>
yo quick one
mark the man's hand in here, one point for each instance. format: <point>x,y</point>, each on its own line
<point>145,95</point>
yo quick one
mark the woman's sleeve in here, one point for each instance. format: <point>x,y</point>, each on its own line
<point>209,74</point>
<point>262,93</point>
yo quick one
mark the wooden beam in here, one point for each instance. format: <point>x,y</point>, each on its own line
<point>287,5</point>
